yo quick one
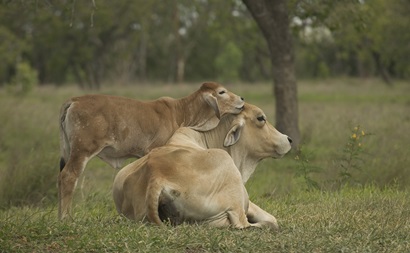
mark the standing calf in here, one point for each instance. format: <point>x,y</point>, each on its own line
<point>117,128</point>
<point>184,181</point>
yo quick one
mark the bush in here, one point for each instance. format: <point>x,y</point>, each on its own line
<point>228,63</point>
<point>11,48</point>
<point>25,80</point>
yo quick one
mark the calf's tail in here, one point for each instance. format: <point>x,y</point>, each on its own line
<point>64,142</point>
<point>62,163</point>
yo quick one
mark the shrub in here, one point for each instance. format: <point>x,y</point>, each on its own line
<point>25,80</point>
<point>228,63</point>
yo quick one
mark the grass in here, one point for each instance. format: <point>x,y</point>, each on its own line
<point>371,215</point>
<point>352,220</point>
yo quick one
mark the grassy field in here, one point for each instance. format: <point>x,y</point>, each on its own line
<point>366,220</point>
<point>366,209</point>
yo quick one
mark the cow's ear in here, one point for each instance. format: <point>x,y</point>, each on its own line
<point>212,102</point>
<point>233,135</point>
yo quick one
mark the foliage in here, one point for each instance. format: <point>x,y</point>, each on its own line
<point>24,80</point>
<point>11,49</point>
<point>75,41</point>
<point>228,63</point>
<point>364,37</point>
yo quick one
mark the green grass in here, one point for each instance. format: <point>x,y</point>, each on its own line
<point>371,215</point>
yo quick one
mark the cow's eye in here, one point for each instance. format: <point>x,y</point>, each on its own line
<point>261,118</point>
<point>222,92</point>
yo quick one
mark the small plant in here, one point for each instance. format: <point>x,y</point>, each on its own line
<point>305,169</point>
<point>351,159</point>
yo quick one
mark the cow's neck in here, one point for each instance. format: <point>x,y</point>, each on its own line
<point>242,159</point>
<point>213,138</point>
<point>240,155</point>
<point>197,113</point>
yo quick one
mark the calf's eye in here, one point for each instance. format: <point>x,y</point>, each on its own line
<point>261,118</point>
<point>222,92</point>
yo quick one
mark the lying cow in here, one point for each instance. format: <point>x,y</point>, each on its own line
<point>117,128</point>
<point>184,181</point>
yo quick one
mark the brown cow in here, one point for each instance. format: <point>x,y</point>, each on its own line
<point>117,128</point>
<point>185,181</point>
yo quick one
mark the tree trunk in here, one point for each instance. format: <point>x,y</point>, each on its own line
<point>273,20</point>
<point>381,69</point>
<point>179,62</point>
<point>142,56</point>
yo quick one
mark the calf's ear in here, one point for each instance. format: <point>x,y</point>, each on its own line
<point>233,135</point>
<point>213,103</point>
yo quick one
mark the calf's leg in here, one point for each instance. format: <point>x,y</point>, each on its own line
<point>67,180</point>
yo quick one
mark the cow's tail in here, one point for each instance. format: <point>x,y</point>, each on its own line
<point>64,142</point>
<point>153,194</point>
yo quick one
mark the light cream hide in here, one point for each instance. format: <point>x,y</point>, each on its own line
<point>116,128</point>
<point>199,176</point>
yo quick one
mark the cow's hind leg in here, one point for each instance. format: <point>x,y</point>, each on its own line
<point>67,180</point>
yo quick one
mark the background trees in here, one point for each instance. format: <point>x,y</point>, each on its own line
<point>125,41</point>
<point>354,38</point>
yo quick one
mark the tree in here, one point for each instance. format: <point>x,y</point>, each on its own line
<point>273,20</point>
<point>354,38</point>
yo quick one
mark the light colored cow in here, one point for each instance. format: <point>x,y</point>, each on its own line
<point>185,181</point>
<point>117,128</point>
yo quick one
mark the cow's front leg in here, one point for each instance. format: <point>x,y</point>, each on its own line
<point>260,218</point>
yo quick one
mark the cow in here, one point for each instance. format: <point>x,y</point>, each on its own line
<point>200,176</point>
<point>116,128</point>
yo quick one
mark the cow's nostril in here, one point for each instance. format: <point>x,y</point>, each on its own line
<point>290,140</point>
<point>242,99</point>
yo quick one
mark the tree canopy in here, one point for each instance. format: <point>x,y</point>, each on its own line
<point>93,41</point>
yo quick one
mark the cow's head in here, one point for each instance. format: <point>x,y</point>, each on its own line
<point>221,100</point>
<point>251,130</point>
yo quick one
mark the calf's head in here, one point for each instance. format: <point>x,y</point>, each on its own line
<point>221,100</point>
<point>251,131</point>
